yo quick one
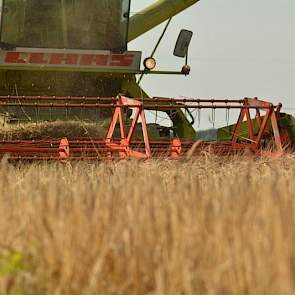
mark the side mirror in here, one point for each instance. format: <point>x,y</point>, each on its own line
<point>182,43</point>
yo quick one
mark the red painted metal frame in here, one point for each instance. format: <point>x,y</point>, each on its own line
<point>271,115</point>
<point>125,146</point>
<point>126,139</point>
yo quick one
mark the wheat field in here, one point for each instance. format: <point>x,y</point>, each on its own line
<point>204,226</point>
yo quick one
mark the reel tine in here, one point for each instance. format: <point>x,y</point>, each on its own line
<point>50,113</point>
<point>227,116</point>
<point>199,116</point>
<point>81,111</point>
<point>37,112</point>
<point>97,113</point>
<point>213,116</point>
<point>67,111</point>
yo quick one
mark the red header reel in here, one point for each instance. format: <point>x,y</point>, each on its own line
<point>126,146</point>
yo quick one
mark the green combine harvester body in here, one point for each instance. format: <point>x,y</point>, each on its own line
<point>74,48</point>
<point>286,124</point>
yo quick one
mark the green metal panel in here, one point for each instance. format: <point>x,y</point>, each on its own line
<point>285,121</point>
<point>226,133</point>
<point>155,14</point>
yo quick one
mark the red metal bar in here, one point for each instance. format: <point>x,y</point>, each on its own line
<point>249,124</point>
<point>122,125</point>
<point>64,149</point>
<point>276,132</point>
<point>263,127</point>
<point>145,134</point>
<point>133,126</point>
<point>147,107</point>
<point>176,148</point>
<point>115,99</point>
<point>16,149</point>
<point>112,125</point>
<point>237,129</point>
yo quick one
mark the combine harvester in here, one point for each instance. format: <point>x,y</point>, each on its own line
<point>67,61</point>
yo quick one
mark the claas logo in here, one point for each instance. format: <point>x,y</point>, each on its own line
<point>70,59</point>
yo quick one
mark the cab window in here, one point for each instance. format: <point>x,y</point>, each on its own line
<point>72,24</point>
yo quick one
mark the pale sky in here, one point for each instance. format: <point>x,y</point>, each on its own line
<point>240,49</point>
